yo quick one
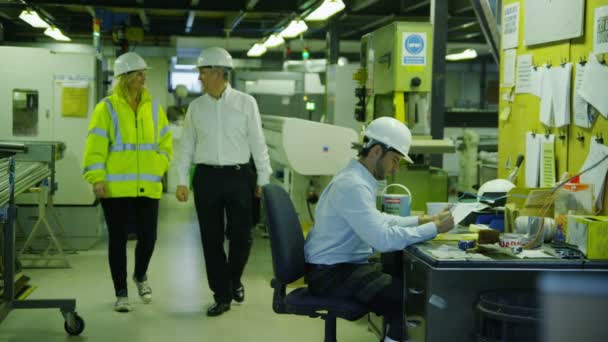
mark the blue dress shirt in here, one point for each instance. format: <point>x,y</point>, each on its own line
<point>348,227</point>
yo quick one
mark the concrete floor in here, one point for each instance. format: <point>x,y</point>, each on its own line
<point>180,298</point>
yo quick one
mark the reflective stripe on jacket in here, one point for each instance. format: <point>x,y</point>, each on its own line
<point>129,152</point>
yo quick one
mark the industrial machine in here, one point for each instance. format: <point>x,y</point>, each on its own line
<point>304,155</point>
<point>395,80</point>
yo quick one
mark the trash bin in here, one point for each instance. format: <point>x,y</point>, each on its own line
<point>508,316</point>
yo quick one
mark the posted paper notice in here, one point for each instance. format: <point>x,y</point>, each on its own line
<point>600,30</point>
<point>510,31</point>
<point>508,79</point>
<point>524,74</point>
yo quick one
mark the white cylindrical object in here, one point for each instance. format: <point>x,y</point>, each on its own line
<point>529,225</point>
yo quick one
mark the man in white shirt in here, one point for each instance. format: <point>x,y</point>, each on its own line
<point>221,131</point>
<point>348,228</point>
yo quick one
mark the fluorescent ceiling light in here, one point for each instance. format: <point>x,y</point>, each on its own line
<point>257,50</point>
<point>326,10</point>
<point>273,41</point>
<point>32,18</point>
<point>56,34</point>
<point>466,54</point>
<point>295,28</point>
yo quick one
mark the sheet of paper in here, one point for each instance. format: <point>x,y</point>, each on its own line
<point>600,30</point>
<point>532,159</point>
<point>597,175</point>
<point>534,254</point>
<point>524,74</point>
<point>595,83</point>
<point>579,105</point>
<point>508,79</point>
<point>537,79</point>
<point>546,98</point>
<point>552,20</point>
<point>510,26</point>
<point>560,94</point>
<point>461,210</point>
<point>547,166</point>
<point>75,99</point>
<point>508,95</point>
<point>506,112</point>
<point>446,252</point>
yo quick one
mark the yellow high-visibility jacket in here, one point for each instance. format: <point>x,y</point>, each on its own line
<point>129,152</point>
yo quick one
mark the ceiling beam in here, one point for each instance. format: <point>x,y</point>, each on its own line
<point>251,4</point>
<point>190,21</point>
<point>365,28</point>
<point>233,21</point>
<point>406,7</point>
<point>463,26</point>
<point>358,5</point>
<point>463,10</point>
<point>145,22</point>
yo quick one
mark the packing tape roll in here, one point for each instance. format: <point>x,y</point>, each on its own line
<point>529,225</point>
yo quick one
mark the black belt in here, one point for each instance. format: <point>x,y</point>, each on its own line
<point>320,266</point>
<point>225,167</point>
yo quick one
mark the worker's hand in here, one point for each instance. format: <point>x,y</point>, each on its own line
<point>444,221</point>
<point>258,191</point>
<point>181,193</point>
<point>99,189</point>
<point>430,218</point>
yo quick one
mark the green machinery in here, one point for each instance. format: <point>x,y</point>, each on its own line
<point>395,80</point>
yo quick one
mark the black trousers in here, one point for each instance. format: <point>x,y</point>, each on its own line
<point>120,213</point>
<point>219,190</point>
<point>366,283</point>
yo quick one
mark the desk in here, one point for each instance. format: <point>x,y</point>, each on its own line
<point>442,294</point>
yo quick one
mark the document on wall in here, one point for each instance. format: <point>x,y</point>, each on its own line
<point>597,175</point>
<point>595,83</point>
<point>524,74</point>
<point>505,113</point>
<point>510,26</point>
<point>537,79</point>
<point>75,99</point>
<point>580,106</point>
<point>532,159</point>
<point>508,79</point>
<point>547,166</point>
<point>560,82</point>
<point>600,30</point>
<point>546,97</point>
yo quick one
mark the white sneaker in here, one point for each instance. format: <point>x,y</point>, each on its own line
<point>144,289</point>
<point>122,304</point>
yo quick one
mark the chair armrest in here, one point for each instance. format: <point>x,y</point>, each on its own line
<point>278,297</point>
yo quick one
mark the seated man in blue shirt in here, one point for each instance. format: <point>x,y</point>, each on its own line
<point>348,227</point>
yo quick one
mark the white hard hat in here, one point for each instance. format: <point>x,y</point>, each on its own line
<point>495,186</point>
<point>391,132</point>
<point>214,56</point>
<point>128,62</point>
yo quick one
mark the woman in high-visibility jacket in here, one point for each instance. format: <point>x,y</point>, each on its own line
<point>127,151</point>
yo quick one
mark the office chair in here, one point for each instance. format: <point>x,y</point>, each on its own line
<point>287,246</point>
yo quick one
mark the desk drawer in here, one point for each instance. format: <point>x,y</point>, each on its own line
<point>416,280</point>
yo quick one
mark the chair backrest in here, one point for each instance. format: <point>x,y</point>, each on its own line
<point>286,236</point>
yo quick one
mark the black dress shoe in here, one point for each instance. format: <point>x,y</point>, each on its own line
<point>218,308</point>
<point>239,295</point>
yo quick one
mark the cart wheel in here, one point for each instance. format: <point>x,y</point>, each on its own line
<point>77,327</point>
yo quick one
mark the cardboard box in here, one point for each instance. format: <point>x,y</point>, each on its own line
<point>590,234</point>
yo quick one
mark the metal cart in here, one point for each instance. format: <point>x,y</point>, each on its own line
<point>74,324</point>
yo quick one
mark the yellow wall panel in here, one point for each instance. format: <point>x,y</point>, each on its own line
<point>570,152</point>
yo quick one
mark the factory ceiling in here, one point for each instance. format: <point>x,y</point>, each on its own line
<point>161,19</point>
